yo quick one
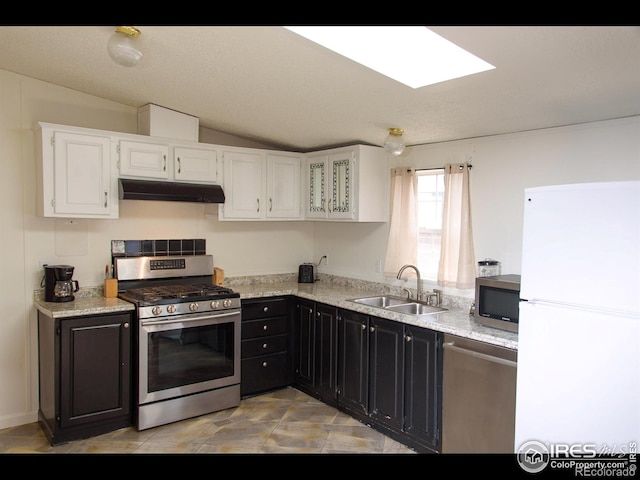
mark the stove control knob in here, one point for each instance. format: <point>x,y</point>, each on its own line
<point>215,304</point>
<point>171,309</point>
<point>226,303</point>
<point>193,306</point>
<point>156,310</point>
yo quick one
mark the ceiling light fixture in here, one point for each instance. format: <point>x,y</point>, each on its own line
<point>394,144</point>
<point>122,47</point>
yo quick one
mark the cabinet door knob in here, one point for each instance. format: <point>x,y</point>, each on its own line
<point>264,364</point>
<point>407,338</point>
<point>264,345</point>
<point>363,326</point>
<point>126,325</point>
<point>265,309</point>
<point>264,327</point>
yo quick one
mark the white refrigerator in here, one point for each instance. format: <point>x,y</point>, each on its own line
<point>578,375</point>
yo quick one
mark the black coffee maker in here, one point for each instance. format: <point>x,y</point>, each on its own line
<point>57,283</point>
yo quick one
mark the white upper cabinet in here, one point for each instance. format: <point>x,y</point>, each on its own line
<point>261,185</point>
<point>74,173</point>
<point>79,170</point>
<point>144,159</point>
<point>243,186</point>
<point>195,164</point>
<point>168,161</point>
<point>283,186</point>
<point>347,184</point>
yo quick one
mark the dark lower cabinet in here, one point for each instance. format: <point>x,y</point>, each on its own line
<point>386,379</point>
<point>84,375</point>
<point>353,363</point>
<point>316,354</point>
<point>384,373</point>
<point>265,345</point>
<point>423,386</point>
<point>326,355</point>
<point>304,346</point>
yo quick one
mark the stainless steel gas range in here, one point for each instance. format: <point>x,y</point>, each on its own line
<point>187,337</point>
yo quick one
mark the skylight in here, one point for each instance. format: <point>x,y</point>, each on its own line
<point>415,56</point>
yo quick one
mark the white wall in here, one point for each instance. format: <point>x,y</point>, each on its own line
<point>502,167</point>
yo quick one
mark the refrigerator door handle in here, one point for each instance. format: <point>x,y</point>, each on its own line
<point>587,308</point>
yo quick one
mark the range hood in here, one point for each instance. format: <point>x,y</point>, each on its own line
<point>129,189</point>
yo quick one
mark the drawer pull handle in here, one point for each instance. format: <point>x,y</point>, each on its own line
<point>265,309</point>
<point>264,328</point>
<point>264,364</point>
<point>264,345</point>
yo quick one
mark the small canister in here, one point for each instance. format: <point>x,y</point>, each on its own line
<point>488,267</point>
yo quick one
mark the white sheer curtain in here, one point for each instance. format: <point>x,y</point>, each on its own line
<point>457,261</point>
<point>402,247</point>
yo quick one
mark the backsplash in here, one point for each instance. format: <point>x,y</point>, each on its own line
<point>158,248</point>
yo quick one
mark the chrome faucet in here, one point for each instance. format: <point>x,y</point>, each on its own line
<point>418,282</point>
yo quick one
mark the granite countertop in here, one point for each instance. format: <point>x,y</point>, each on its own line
<point>83,305</point>
<point>455,320</point>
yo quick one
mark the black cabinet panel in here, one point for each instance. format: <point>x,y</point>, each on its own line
<point>353,362</point>
<point>264,327</point>
<point>304,358</point>
<point>326,352</point>
<point>267,372</point>
<point>423,386</point>
<point>264,308</point>
<point>265,347</point>
<point>386,378</point>
<point>85,372</point>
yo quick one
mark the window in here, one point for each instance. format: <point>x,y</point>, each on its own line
<point>430,202</point>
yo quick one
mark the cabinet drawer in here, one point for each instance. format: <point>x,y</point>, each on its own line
<point>263,328</point>
<point>264,346</point>
<point>264,308</point>
<point>263,373</point>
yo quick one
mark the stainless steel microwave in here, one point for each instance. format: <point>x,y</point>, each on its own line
<point>498,301</point>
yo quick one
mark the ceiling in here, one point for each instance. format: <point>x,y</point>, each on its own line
<point>267,84</point>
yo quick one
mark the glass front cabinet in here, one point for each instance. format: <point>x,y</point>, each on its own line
<point>349,184</point>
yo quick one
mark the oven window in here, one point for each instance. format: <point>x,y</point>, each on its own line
<point>184,356</point>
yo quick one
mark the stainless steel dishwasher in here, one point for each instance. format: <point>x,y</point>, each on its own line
<point>478,397</point>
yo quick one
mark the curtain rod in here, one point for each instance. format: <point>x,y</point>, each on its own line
<point>469,166</point>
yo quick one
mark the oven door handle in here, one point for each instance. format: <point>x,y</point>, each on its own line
<point>189,318</point>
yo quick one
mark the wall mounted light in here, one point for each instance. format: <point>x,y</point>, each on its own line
<point>122,46</point>
<point>394,144</point>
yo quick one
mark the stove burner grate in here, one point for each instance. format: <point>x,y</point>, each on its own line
<point>165,292</point>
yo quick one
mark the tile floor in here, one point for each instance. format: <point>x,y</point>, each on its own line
<point>284,421</point>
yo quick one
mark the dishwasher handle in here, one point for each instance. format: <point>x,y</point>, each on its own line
<point>482,356</point>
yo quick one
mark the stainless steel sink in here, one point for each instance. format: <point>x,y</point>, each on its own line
<point>399,304</point>
<point>382,301</point>
<point>416,308</point>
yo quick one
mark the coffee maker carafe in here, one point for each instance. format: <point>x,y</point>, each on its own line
<point>58,285</point>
